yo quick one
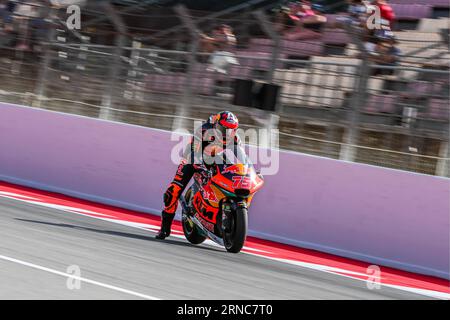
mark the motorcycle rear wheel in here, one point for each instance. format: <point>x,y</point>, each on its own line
<point>191,231</point>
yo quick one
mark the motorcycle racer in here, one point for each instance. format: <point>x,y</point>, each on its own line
<point>219,131</point>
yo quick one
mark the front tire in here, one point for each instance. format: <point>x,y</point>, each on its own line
<point>234,240</point>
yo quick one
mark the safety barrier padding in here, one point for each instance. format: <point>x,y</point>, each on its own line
<point>383,216</point>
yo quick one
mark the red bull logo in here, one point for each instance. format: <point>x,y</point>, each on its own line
<point>235,168</point>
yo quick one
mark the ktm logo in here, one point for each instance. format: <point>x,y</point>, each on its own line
<point>208,213</point>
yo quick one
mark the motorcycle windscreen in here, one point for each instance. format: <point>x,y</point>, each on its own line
<point>232,155</point>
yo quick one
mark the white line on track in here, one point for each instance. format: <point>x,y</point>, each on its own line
<point>63,274</point>
<point>327,269</point>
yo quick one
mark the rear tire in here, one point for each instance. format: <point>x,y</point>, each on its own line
<point>234,241</point>
<point>191,231</point>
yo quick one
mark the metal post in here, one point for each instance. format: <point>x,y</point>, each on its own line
<point>349,149</point>
<point>443,164</point>
<point>132,82</point>
<point>108,94</point>
<point>181,108</point>
<point>266,25</point>
<point>270,119</point>
<point>331,136</point>
<point>351,137</point>
<point>43,72</point>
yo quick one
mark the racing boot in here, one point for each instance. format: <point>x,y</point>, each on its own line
<point>170,199</point>
<point>166,223</point>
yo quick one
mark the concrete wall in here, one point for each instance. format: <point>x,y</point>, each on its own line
<point>379,215</point>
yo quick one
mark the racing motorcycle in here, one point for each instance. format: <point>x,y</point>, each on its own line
<point>216,205</point>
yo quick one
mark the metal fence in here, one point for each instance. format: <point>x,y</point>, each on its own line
<point>341,107</point>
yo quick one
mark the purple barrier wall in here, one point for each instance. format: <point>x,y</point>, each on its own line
<point>382,216</point>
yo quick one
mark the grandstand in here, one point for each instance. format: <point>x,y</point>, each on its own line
<point>141,62</point>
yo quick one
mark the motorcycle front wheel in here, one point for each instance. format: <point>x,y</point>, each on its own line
<point>234,238</point>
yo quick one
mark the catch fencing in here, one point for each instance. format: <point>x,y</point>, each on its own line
<point>336,106</point>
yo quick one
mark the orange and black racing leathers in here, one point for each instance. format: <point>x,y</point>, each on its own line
<point>193,160</point>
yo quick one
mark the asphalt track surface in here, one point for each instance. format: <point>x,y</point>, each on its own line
<point>39,244</point>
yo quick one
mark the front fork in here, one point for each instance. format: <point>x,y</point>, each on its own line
<point>228,207</point>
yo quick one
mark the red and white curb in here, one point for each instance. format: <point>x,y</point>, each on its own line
<point>389,277</point>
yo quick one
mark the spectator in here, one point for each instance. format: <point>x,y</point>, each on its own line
<point>2,9</point>
<point>387,15</point>
<point>7,33</point>
<point>385,53</point>
<point>357,9</point>
<point>24,13</point>
<point>308,23</point>
<point>356,14</point>
<point>29,23</point>
<point>4,14</point>
<point>221,45</point>
<point>6,10</point>
<point>222,38</point>
<point>380,27</point>
<point>283,20</point>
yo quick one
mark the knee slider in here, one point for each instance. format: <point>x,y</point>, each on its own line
<point>171,195</point>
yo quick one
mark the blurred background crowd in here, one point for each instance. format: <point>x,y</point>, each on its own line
<point>364,81</point>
